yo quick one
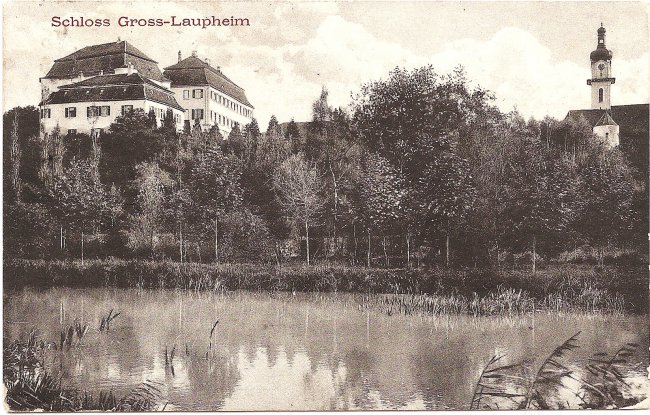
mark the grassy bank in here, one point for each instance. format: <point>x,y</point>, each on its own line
<point>471,291</point>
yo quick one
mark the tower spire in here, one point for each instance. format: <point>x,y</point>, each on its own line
<point>601,73</point>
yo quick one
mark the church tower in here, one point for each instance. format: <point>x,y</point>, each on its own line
<point>601,74</point>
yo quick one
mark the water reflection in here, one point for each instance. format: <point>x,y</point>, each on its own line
<point>284,352</point>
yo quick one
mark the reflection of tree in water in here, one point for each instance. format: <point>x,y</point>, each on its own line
<point>335,356</point>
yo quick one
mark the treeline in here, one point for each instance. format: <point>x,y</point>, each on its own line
<point>421,169</point>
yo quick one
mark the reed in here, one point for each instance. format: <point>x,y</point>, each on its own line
<point>105,322</point>
<point>561,287</point>
<point>30,387</point>
<point>511,387</point>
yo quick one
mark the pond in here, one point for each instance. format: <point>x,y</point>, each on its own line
<point>296,352</point>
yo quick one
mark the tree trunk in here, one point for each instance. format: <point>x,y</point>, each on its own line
<point>408,250</point>
<point>307,240</point>
<point>61,238</point>
<point>368,247</point>
<point>386,261</point>
<point>354,234</point>
<point>216,239</point>
<point>82,248</point>
<point>180,240</point>
<point>534,254</point>
<point>447,251</point>
<point>336,198</point>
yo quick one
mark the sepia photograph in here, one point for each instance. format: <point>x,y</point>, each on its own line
<point>325,206</point>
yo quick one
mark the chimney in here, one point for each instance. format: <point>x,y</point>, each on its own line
<point>119,39</point>
<point>179,56</point>
<point>207,61</point>
<point>194,54</point>
<point>219,69</point>
<point>130,70</point>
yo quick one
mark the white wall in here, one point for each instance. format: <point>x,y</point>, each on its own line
<point>212,108</point>
<point>609,133</point>
<point>83,124</point>
<point>606,86</point>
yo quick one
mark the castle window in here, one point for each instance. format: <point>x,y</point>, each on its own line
<point>600,95</point>
<point>46,113</point>
<point>70,112</point>
<point>72,131</point>
<point>92,111</point>
<point>126,108</point>
<point>186,94</point>
<point>197,93</point>
<point>197,114</point>
<point>105,111</point>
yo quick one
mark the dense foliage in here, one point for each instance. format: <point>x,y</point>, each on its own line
<point>422,170</point>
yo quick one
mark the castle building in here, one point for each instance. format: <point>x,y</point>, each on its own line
<point>85,91</point>
<point>208,95</point>
<point>625,125</point>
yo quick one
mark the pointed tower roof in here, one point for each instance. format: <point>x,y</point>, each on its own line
<point>606,119</point>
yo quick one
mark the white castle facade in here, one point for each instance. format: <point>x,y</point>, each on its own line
<point>85,92</point>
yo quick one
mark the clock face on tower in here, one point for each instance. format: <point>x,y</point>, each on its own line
<point>602,69</point>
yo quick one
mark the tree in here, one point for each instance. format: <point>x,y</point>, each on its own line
<point>539,196</point>
<point>152,121</point>
<point>214,188</point>
<point>298,184</point>
<point>235,142</point>
<point>383,197</point>
<point>16,184</point>
<point>293,135</point>
<point>153,185</point>
<point>168,122</point>
<point>129,142</point>
<point>605,210</point>
<point>273,126</point>
<point>24,123</point>
<point>81,202</point>
<point>444,193</point>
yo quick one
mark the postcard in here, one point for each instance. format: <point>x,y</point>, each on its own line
<point>325,206</point>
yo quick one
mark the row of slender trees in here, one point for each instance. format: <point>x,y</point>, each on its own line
<point>421,168</point>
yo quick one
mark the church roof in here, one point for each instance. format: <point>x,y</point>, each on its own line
<point>104,58</point>
<point>192,71</point>
<point>627,116</point>
<point>121,87</point>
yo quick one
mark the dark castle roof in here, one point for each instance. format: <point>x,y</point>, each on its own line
<point>193,71</point>
<point>121,87</point>
<point>104,58</point>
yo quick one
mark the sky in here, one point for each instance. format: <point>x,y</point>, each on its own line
<point>534,56</point>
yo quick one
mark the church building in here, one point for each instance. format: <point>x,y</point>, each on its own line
<point>624,125</point>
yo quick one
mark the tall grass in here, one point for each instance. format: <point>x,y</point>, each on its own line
<point>477,291</point>
<point>513,387</point>
<point>30,387</point>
